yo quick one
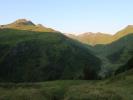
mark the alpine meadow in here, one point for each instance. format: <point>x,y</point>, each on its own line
<point>61,62</point>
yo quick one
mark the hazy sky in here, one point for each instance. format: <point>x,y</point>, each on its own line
<point>71,16</point>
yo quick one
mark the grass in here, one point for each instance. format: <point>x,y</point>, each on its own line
<point>119,87</point>
<point>115,88</point>
<point>29,56</point>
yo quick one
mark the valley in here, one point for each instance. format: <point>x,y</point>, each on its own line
<point>40,63</point>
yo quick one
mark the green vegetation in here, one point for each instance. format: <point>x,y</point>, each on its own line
<point>92,38</point>
<point>38,56</point>
<point>38,63</point>
<point>119,87</point>
<point>114,55</point>
<point>23,24</point>
<point>126,67</point>
<point>102,38</point>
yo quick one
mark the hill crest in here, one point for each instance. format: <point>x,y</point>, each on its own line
<point>24,24</point>
<point>102,38</point>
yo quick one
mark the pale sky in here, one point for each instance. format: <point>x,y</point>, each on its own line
<point>71,16</point>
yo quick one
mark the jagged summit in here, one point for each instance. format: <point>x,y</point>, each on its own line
<point>23,22</point>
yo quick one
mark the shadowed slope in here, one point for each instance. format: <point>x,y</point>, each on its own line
<point>27,56</point>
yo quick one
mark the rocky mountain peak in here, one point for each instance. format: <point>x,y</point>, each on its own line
<point>23,22</point>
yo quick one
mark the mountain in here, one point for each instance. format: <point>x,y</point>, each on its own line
<point>115,54</point>
<point>127,30</point>
<point>101,38</point>
<point>92,38</point>
<point>28,51</point>
<point>23,24</point>
<point>31,56</point>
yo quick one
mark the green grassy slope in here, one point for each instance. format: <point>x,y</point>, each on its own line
<point>126,67</point>
<point>124,42</point>
<point>119,87</point>
<point>23,24</point>
<point>102,38</point>
<point>31,56</point>
<point>126,31</point>
<point>39,56</point>
<point>115,54</point>
<point>92,38</point>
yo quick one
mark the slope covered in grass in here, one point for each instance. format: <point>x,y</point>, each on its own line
<point>102,38</point>
<point>126,67</point>
<point>91,38</point>
<point>27,56</point>
<point>119,87</point>
<point>23,24</point>
<point>115,54</point>
<point>30,56</point>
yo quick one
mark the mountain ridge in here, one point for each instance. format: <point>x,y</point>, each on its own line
<point>87,38</point>
<point>24,24</point>
<point>101,38</point>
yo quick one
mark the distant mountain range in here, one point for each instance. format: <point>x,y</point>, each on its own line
<point>101,38</point>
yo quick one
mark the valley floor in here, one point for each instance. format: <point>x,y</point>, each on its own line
<point>116,88</point>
